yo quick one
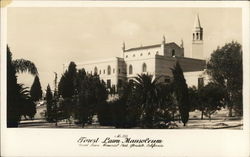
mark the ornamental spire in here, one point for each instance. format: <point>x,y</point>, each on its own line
<point>197,23</point>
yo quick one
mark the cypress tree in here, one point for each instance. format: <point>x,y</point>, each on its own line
<point>49,100</point>
<point>35,90</point>
<point>181,91</point>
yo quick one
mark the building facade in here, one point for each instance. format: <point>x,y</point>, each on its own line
<point>156,60</point>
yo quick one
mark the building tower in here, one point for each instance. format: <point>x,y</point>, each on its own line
<point>197,42</point>
<point>162,52</point>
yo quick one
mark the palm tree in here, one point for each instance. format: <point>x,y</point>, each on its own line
<point>15,91</point>
<point>146,90</point>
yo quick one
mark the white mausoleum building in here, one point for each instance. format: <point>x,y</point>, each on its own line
<point>153,59</point>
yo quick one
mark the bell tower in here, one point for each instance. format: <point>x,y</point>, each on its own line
<point>197,42</point>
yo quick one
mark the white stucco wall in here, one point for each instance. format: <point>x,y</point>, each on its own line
<point>102,68</point>
<point>192,78</point>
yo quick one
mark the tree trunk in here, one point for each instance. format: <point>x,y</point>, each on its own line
<point>173,116</point>
<point>230,109</point>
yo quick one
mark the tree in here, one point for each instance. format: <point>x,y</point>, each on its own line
<point>36,90</point>
<point>167,101</point>
<point>181,91</point>
<point>91,97</point>
<point>27,105</point>
<point>147,96</point>
<point>125,111</point>
<point>49,102</point>
<point>193,98</point>
<point>211,97</point>
<point>67,84</point>
<point>226,69</point>
<point>14,94</point>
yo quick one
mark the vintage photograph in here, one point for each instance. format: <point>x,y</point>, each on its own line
<point>124,68</point>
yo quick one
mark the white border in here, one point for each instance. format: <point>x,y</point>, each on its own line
<point>62,142</point>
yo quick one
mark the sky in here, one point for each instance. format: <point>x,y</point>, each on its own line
<point>51,37</point>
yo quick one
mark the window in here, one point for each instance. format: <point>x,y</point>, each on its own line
<point>95,70</point>
<point>173,52</point>
<point>130,69</point>
<point>119,83</point>
<point>197,36</point>
<point>104,71</point>
<point>114,70</point>
<point>100,72</point>
<point>193,36</point>
<point>141,54</point>
<point>200,82</point>
<point>144,67</point>
<point>148,53</point>
<point>157,52</point>
<point>126,56</point>
<point>133,55</point>
<point>201,36</point>
<point>109,83</point>
<point>119,70</point>
<point>167,80</point>
<point>109,70</point>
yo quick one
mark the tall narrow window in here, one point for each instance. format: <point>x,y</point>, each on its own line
<point>130,70</point>
<point>173,52</point>
<point>95,70</point>
<point>200,82</point>
<point>197,36</point>
<point>144,67</point>
<point>109,70</point>
<point>193,36</point>
<point>108,83</point>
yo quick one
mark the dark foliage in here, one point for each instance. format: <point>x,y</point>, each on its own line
<point>49,102</point>
<point>181,91</point>
<point>211,97</point>
<point>67,84</point>
<point>18,99</point>
<point>36,89</point>
<point>226,69</point>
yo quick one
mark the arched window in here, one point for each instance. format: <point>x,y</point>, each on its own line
<point>100,72</point>
<point>144,67</point>
<point>157,52</point>
<point>193,36</point>
<point>109,70</point>
<point>197,36</point>
<point>114,70</point>
<point>173,52</point>
<point>95,70</point>
<point>148,53</point>
<point>130,69</point>
<point>141,54</point>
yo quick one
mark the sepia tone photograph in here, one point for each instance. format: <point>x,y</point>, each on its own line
<point>124,68</point>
